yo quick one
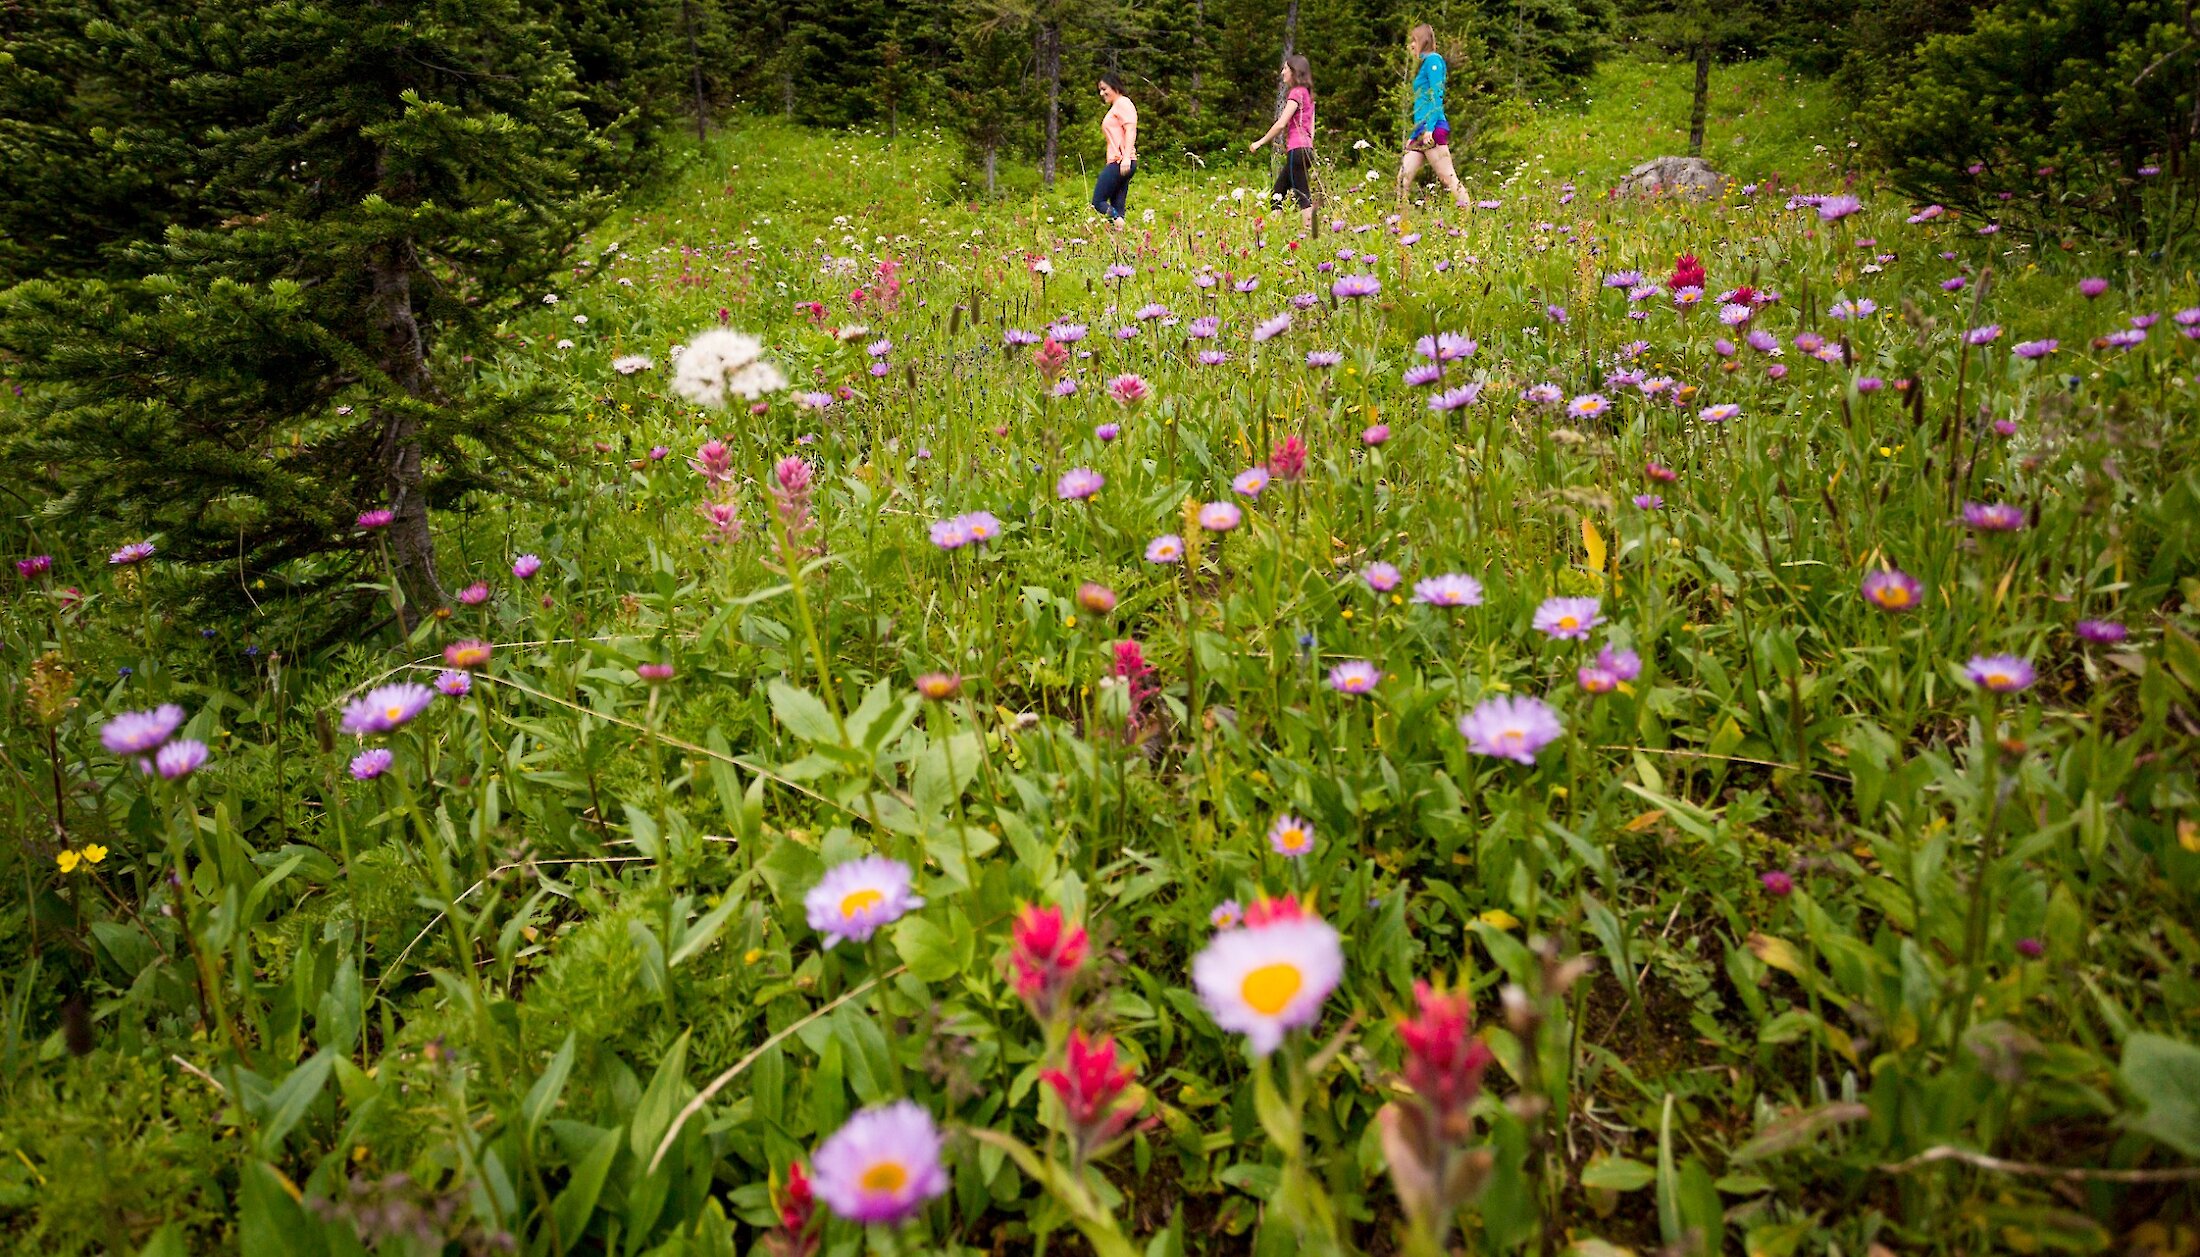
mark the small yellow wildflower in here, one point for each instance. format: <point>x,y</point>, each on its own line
<point>93,853</point>
<point>68,860</point>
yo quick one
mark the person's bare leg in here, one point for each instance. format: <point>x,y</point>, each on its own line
<point>1408,170</point>
<point>1439,160</point>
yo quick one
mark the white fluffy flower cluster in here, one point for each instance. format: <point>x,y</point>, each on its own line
<point>721,361</point>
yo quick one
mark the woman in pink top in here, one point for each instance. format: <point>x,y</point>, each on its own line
<point>1120,126</point>
<point>1296,123</point>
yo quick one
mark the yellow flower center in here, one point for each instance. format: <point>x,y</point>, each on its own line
<point>1294,839</point>
<point>1895,596</point>
<point>1514,735</point>
<point>1997,679</point>
<point>886,1176</point>
<point>1568,621</point>
<point>393,712</point>
<point>1269,988</point>
<point>857,901</point>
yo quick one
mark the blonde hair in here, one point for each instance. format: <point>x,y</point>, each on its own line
<point>1423,39</point>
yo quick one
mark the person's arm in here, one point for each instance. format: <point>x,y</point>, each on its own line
<point>1290,110</point>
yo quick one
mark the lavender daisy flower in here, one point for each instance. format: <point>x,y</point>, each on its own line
<point>1649,501</point>
<point>1078,483</point>
<point>1624,664</point>
<point>452,683</point>
<point>141,732</point>
<point>1108,432</point>
<point>2103,632</point>
<point>1734,313</point>
<point>882,1165</point>
<point>179,759</point>
<point>1226,915</point>
<point>1166,548</point>
<point>1305,300</point>
<point>1455,399</point>
<point>1720,413</point>
<point>525,566</point>
<point>2002,674</point>
<point>369,764</point>
<point>1354,676</point>
<point>1355,286</point>
<point>981,526</point>
<point>1568,618</point>
<point>1321,359</point>
<point>135,552</point>
<point>1423,373</point>
<point>1291,837</point>
<point>1588,406</point>
<point>1835,208</point>
<point>1983,335</point>
<point>1543,394</point>
<point>1212,357</point>
<point>1445,347</point>
<point>1271,328</point>
<point>858,896</point>
<point>1203,328</point>
<point>1451,589</point>
<point>2035,349</point>
<point>1380,577</point>
<point>2092,286</point>
<point>1511,728</point>
<point>951,534</point>
<point>1251,481</point>
<point>386,707</point>
<point>1891,589</point>
<point>378,518</point>
<point>1220,516</point>
<point>1993,516</point>
<point>1595,679</point>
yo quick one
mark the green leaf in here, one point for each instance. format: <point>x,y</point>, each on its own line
<point>704,930</point>
<point>1617,1174</point>
<point>930,951</point>
<point>2164,1075</point>
<point>577,1202</point>
<point>1796,1130</point>
<point>543,1096</point>
<point>803,714</point>
<point>287,1103</point>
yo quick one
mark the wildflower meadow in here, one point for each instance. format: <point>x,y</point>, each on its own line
<point>1567,724</point>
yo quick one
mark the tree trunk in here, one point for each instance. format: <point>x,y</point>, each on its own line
<point>402,359</point>
<point>695,67</point>
<point>1702,105</point>
<point>1290,45</point>
<point>1050,68</point>
<point>1199,50</point>
<point>991,154</point>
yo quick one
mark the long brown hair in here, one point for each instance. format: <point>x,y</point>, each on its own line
<point>1302,71</point>
<point>1423,39</point>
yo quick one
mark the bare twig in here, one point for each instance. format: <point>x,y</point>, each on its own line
<point>2068,1174</point>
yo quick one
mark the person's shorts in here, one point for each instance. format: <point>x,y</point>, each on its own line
<point>1422,142</point>
<point>1296,178</point>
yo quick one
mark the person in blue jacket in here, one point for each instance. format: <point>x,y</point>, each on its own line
<point>1430,140</point>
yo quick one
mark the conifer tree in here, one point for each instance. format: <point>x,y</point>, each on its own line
<point>343,198</point>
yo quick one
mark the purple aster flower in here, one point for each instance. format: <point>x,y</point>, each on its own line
<point>1380,577</point>
<point>1543,394</point>
<point>1321,359</point>
<point>1355,286</point>
<point>2092,286</point>
<point>1568,618</point>
<point>1455,399</point>
<point>1291,837</point>
<point>386,707</point>
<point>1251,481</point>
<point>2125,338</point>
<point>1626,665</point>
<point>1212,357</point>
<point>1983,335</point>
<point>856,897</point>
<point>525,566</point>
<point>141,732</point>
<point>1649,501</point>
<point>1595,679</point>
<point>951,534</point>
<point>2035,349</point>
<point>1720,413</point>
<point>453,683</point>
<point>2104,632</point>
<point>1220,516</point>
<point>179,759</point>
<point>1203,328</point>
<point>1166,548</point>
<point>1588,406</point>
<point>1869,384</point>
<point>1511,728</point>
<point>377,518</point>
<point>1269,329</point>
<point>1354,676</point>
<point>1891,589</point>
<point>1556,314</point>
<point>135,552</point>
<point>882,1165</point>
<point>1445,347</point>
<point>1451,589</point>
<point>1735,313</point>
<point>1375,434</point>
<point>2003,674</point>
<point>1835,208</point>
<point>1993,516</point>
<point>1078,483</point>
<point>369,764</point>
<point>1423,373</point>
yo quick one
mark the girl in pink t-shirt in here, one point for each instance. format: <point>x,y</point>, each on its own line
<point>1296,123</point>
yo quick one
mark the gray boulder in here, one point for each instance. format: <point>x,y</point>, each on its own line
<point>1691,177</point>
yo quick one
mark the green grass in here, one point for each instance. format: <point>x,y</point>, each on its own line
<point>481,991</point>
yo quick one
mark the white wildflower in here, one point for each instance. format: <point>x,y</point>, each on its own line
<point>721,361</point>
